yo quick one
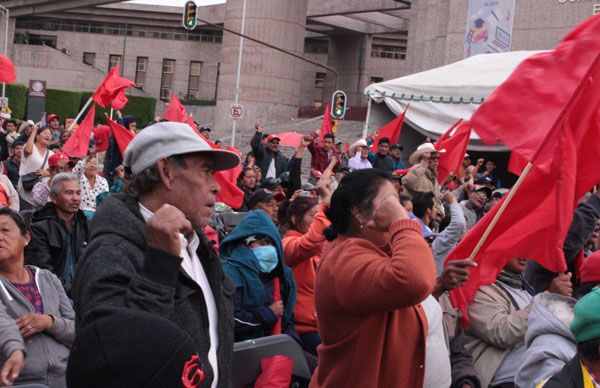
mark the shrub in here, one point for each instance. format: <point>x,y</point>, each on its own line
<point>17,100</point>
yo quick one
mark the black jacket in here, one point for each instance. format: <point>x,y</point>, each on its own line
<point>384,162</point>
<point>584,221</point>
<point>571,376</point>
<point>264,156</point>
<point>3,147</point>
<point>119,269</point>
<point>49,245</point>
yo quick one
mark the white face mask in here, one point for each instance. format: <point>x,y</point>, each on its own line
<point>267,258</point>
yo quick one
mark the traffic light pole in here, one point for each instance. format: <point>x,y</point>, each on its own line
<point>239,71</point>
<point>291,53</point>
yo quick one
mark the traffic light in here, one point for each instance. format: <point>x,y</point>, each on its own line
<point>338,105</point>
<point>189,15</point>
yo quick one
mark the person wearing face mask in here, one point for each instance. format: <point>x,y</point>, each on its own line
<point>252,257</point>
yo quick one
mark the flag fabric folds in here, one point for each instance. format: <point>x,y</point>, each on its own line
<point>7,70</point>
<point>391,130</point>
<point>535,223</point>
<point>121,135</point>
<point>455,146</point>
<point>79,142</point>
<point>524,108</point>
<point>326,125</point>
<point>176,112</point>
<point>112,90</point>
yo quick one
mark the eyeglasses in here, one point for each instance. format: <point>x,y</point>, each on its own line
<point>274,143</point>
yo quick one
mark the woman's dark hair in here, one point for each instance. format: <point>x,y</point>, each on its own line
<point>40,131</point>
<point>298,208</point>
<point>588,350</point>
<point>243,173</point>
<point>10,121</point>
<point>16,217</point>
<point>404,198</point>
<point>248,155</point>
<point>384,140</point>
<point>421,202</point>
<point>356,190</point>
<point>584,288</point>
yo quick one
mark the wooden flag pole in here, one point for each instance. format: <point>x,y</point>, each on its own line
<point>511,194</point>
<point>111,112</point>
<point>89,101</point>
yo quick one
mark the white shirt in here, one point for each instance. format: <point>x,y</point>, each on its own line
<point>437,360</point>
<point>272,172</point>
<point>193,268</point>
<point>356,163</point>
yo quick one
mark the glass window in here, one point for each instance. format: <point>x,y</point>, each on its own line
<point>166,81</point>
<point>194,79</point>
<point>89,58</point>
<point>113,60</point>
<point>140,72</point>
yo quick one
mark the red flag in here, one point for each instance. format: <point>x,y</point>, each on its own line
<point>455,146</point>
<point>101,137</point>
<point>535,223</point>
<point>79,143</point>
<point>276,296</point>
<point>112,90</point>
<point>523,109</point>
<point>391,130</point>
<point>7,70</point>
<point>326,125</point>
<point>122,136</point>
<point>176,112</point>
<point>346,148</point>
<point>289,139</point>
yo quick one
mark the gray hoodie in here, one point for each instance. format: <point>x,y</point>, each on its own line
<point>46,353</point>
<point>550,344</point>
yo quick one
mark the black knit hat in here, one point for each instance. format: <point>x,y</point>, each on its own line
<point>118,347</point>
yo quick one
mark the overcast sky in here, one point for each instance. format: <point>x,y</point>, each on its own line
<point>178,3</point>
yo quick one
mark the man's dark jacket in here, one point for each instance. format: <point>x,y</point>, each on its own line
<point>571,376</point>
<point>584,221</point>
<point>119,269</point>
<point>49,245</point>
<point>264,156</point>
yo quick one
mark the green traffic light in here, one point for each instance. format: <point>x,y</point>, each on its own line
<point>191,22</point>
<point>338,111</point>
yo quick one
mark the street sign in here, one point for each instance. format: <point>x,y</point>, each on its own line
<point>236,111</point>
<point>3,102</point>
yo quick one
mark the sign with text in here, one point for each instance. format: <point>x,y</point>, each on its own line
<point>489,27</point>
<point>236,111</point>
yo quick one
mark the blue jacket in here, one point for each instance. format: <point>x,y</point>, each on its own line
<point>254,290</point>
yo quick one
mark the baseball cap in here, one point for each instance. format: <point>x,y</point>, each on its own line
<point>272,137</point>
<point>57,157</point>
<point>272,183</point>
<point>263,195</point>
<point>52,117</point>
<point>396,147</point>
<point>165,139</point>
<point>590,269</point>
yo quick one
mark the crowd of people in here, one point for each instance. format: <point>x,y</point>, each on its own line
<point>122,270</point>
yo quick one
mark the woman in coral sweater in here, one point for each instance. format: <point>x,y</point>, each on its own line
<point>372,278</point>
<point>303,244</point>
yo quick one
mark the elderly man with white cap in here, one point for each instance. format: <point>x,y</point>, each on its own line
<point>147,249</point>
<point>422,177</point>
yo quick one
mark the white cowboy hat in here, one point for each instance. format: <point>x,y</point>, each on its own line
<point>423,148</point>
<point>356,144</point>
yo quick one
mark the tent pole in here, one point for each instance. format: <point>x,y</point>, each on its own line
<point>366,127</point>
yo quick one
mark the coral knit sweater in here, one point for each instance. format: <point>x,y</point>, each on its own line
<point>302,255</point>
<point>371,324</point>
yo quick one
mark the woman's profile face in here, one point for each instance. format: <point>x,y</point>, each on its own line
<point>12,242</point>
<point>44,137</point>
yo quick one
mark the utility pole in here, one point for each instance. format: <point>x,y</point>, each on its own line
<point>239,71</point>
<point>6,13</point>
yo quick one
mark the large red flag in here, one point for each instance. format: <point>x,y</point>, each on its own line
<point>535,223</point>
<point>229,193</point>
<point>7,70</point>
<point>112,90</point>
<point>523,109</point>
<point>79,143</point>
<point>176,112</point>
<point>455,146</point>
<point>326,125</point>
<point>289,139</point>
<point>120,133</point>
<point>391,130</point>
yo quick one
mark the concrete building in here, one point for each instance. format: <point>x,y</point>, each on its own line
<point>71,44</point>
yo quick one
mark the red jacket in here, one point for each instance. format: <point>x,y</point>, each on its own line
<point>371,324</point>
<point>303,255</point>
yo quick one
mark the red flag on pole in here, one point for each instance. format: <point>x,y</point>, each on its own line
<point>455,146</point>
<point>535,223</point>
<point>122,136</point>
<point>289,139</point>
<point>230,194</point>
<point>276,296</point>
<point>391,130</point>
<point>326,125</point>
<point>79,143</point>
<point>7,70</point>
<point>176,112</point>
<point>522,110</point>
<point>112,90</point>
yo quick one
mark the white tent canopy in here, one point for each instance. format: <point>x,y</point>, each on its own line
<point>441,96</point>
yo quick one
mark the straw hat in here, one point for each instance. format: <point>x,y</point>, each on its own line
<point>422,149</point>
<point>356,144</point>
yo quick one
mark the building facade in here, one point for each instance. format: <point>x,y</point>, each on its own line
<point>364,42</point>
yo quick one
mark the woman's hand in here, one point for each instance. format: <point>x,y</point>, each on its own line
<point>12,367</point>
<point>42,172</point>
<point>387,212</point>
<point>31,323</point>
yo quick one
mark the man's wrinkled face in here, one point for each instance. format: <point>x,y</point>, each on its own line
<point>478,199</point>
<point>433,161</point>
<point>364,152</point>
<point>68,198</point>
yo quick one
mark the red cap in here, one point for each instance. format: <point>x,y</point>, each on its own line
<point>54,159</point>
<point>402,172</point>
<point>272,137</point>
<point>52,117</point>
<point>590,269</point>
